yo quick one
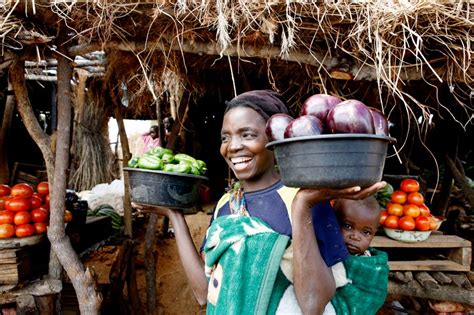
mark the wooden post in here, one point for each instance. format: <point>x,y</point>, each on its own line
<point>150,263</point>
<point>6,122</point>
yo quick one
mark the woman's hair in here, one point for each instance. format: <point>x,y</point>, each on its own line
<point>265,102</point>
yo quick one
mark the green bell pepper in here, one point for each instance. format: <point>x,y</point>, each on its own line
<point>159,152</point>
<point>133,162</point>
<point>182,167</point>
<point>181,157</point>
<point>167,158</point>
<point>150,162</point>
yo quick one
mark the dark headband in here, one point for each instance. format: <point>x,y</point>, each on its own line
<point>265,102</point>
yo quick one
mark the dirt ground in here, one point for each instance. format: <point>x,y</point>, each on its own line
<point>173,295</point>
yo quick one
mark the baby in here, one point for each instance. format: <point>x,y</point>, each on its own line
<point>358,220</point>
<point>367,268</point>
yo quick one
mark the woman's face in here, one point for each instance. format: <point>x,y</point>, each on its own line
<point>243,141</point>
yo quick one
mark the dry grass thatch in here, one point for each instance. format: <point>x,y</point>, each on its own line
<point>389,41</point>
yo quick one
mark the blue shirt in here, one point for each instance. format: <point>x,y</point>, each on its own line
<point>273,205</point>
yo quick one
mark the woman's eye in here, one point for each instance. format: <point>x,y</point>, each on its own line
<point>224,138</point>
<point>248,135</point>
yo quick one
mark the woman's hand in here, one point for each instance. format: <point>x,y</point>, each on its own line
<point>308,197</point>
<point>167,212</point>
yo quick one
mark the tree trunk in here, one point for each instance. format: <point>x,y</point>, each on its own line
<point>6,122</point>
<point>82,280</point>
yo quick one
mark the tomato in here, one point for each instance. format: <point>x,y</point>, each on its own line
<point>36,195</point>
<point>67,216</point>
<point>2,202</point>
<point>6,216</point>
<point>411,210</point>
<point>410,185</point>
<point>433,223</point>
<point>399,197</point>
<point>46,200</point>
<point>39,215</point>
<point>24,230</point>
<point>424,210</point>
<point>35,202</point>
<point>43,188</point>
<point>18,204</point>
<point>383,217</point>
<point>5,190</point>
<point>40,227</point>
<point>407,223</point>
<point>6,230</point>
<point>395,209</point>
<point>422,223</point>
<point>22,217</point>
<point>391,222</point>
<point>22,190</point>
<point>46,206</point>
<point>415,198</point>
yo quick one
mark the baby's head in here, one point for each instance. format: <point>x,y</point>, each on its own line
<point>154,131</point>
<point>358,220</point>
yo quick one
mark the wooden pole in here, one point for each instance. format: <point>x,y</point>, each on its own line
<point>4,134</point>
<point>82,280</point>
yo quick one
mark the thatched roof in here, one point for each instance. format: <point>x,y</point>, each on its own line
<point>298,46</point>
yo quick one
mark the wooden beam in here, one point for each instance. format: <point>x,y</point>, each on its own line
<point>309,57</point>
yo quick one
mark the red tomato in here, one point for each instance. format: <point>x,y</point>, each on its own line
<point>391,222</point>
<point>46,206</point>
<point>424,210</point>
<point>6,216</point>
<point>399,197</point>
<point>2,202</point>
<point>39,215</point>
<point>36,195</point>
<point>407,223</point>
<point>40,227</point>
<point>5,190</point>
<point>22,190</point>
<point>35,202</point>
<point>433,223</point>
<point>6,230</point>
<point>395,209</point>
<point>422,223</point>
<point>416,198</point>
<point>46,200</point>
<point>43,188</point>
<point>411,210</point>
<point>24,230</point>
<point>22,217</point>
<point>410,185</point>
<point>383,217</point>
<point>18,204</point>
<point>67,216</point>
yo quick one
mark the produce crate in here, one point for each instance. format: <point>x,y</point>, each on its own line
<point>22,259</point>
<point>438,252</point>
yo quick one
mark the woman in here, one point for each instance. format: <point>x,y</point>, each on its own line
<point>298,213</point>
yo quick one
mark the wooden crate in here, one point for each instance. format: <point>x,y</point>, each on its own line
<point>438,252</point>
<point>22,259</point>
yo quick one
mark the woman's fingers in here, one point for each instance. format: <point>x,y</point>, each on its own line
<point>151,208</point>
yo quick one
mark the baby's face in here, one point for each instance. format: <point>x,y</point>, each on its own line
<point>358,227</point>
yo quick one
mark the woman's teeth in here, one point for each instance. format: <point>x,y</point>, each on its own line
<point>241,162</point>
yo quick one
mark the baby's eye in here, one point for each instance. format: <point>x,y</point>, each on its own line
<point>367,232</point>
<point>346,226</point>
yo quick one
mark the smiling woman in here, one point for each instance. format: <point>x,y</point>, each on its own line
<point>269,221</point>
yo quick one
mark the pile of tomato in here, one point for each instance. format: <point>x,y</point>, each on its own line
<point>407,209</point>
<point>24,211</point>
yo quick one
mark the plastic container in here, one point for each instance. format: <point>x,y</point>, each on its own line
<point>407,236</point>
<point>331,161</point>
<point>165,189</point>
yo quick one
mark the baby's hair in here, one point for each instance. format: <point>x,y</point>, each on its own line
<point>369,203</point>
<point>154,127</point>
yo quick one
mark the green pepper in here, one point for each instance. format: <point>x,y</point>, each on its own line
<point>182,167</point>
<point>159,151</point>
<point>181,157</point>
<point>383,196</point>
<point>198,168</point>
<point>150,162</point>
<point>195,170</point>
<point>167,158</point>
<point>133,162</point>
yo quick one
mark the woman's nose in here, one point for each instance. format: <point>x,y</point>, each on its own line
<point>235,144</point>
